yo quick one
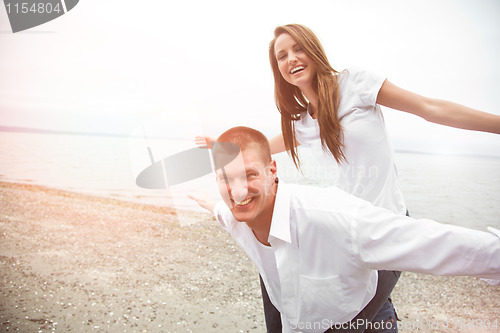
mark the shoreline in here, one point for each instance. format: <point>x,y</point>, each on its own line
<point>76,262</point>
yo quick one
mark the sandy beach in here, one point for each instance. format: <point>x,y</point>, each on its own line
<point>74,262</point>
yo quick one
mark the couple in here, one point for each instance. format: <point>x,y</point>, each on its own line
<point>337,114</point>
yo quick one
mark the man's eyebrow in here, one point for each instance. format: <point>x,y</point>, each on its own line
<point>251,170</point>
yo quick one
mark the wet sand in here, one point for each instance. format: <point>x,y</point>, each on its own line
<point>79,263</point>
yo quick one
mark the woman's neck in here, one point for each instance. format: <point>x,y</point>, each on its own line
<point>312,97</point>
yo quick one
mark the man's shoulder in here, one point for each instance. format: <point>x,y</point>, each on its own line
<point>322,198</point>
<point>322,211</point>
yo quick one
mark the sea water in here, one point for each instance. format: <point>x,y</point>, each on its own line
<point>461,190</point>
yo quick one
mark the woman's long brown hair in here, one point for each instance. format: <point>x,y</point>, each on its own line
<point>291,101</point>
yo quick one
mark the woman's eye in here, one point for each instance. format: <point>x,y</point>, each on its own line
<point>281,57</point>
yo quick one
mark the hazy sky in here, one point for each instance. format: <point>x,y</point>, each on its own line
<point>110,66</point>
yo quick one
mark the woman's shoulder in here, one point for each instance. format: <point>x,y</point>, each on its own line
<point>357,74</point>
<point>361,82</point>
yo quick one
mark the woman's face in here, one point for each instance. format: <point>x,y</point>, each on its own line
<point>294,64</point>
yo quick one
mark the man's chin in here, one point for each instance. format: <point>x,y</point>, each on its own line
<point>240,220</point>
<point>239,216</point>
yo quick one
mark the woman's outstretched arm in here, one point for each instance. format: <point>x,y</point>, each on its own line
<point>277,144</point>
<point>436,110</point>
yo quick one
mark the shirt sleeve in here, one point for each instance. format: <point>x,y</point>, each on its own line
<point>385,240</point>
<point>367,84</point>
<point>223,215</point>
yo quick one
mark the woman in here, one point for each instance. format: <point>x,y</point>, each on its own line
<point>337,115</point>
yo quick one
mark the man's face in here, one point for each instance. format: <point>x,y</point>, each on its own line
<point>247,186</point>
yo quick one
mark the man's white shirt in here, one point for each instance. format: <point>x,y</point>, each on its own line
<point>327,245</point>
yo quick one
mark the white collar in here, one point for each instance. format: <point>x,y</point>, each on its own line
<point>280,222</point>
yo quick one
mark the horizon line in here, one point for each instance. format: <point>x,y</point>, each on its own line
<point>19,129</point>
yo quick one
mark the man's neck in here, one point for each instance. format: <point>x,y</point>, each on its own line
<point>262,228</point>
<point>262,237</point>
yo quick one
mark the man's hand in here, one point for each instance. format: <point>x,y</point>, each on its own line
<point>204,202</point>
<point>492,282</point>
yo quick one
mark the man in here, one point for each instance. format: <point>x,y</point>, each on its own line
<point>318,250</point>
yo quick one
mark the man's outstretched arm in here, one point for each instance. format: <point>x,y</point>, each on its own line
<point>392,242</point>
<point>204,202</point>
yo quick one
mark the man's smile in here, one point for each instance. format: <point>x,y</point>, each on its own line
<point>244,202</point>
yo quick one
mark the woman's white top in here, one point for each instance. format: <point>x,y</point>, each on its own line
<point>370,172</point>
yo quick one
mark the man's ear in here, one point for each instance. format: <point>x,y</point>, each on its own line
<point>273,168</point>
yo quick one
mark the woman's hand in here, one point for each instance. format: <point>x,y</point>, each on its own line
<point>204,141</point>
